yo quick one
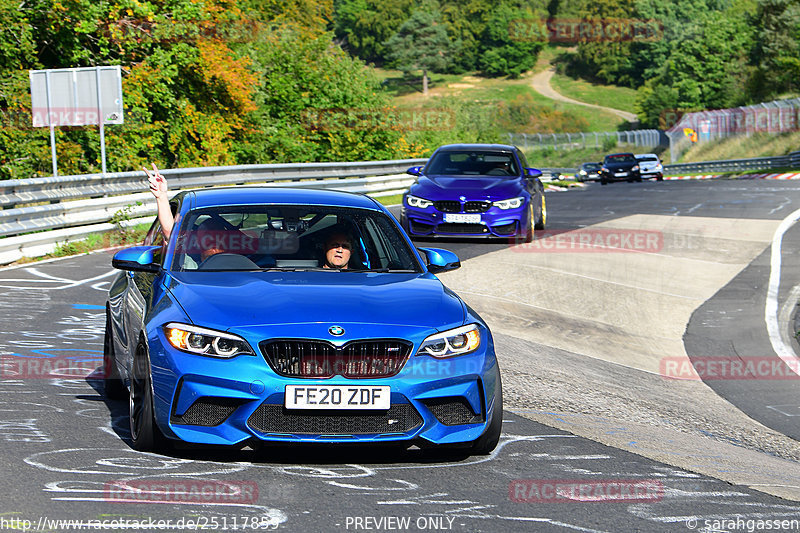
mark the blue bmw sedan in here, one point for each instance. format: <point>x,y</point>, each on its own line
<point>475,190</point>
<point>262,340</point>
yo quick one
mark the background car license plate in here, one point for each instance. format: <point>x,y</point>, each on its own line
<point>463,218</point>
<point>621,174</point>
<point>337,397</point>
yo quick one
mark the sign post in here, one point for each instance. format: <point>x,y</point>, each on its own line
<point>76,97</point>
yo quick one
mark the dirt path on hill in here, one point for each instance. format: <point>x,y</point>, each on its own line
<point>541,84</point>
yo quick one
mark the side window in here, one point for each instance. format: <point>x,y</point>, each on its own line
<point>154,236</point>
<point>522,159</point>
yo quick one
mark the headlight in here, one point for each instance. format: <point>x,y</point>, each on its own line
<point>512,203</point>
<point>582,172</point>
<point>202,341</point>
<point>634,168</point>
<point>413,201</point>
<point>450,343</point>
<point>604,169</point>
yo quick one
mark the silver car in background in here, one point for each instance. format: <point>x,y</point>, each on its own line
<point>650,166</point>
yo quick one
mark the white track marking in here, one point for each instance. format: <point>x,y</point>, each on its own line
<point>777,340</point>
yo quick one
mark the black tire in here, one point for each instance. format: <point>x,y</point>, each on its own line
<point>542,221</point>
<point>528,235</point>
<point>486,443</point>
<point>660,178</point>
<point>145,435</point>
<point>603,181</point>
<point>114,388</point>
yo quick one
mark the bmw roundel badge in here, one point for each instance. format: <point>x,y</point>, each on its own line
<point>336,331</point>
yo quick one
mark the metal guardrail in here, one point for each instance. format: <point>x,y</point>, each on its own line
<point>735,165</point>
<point>728,165</point>
<point>566,141</point>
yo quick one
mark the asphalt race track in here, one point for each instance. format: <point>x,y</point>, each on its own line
<point>605,428</point>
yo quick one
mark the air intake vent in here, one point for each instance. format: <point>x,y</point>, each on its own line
<point>207,411</point>
<point>453,411</point>
<point>271,418</point>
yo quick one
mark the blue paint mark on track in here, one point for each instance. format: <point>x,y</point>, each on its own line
<point>87,306</point>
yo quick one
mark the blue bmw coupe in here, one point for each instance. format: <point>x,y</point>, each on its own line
<point>475,190</point>
<point>260,340</point>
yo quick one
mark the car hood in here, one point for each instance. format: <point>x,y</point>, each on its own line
<point>450,187</point>
<point>232,300</point>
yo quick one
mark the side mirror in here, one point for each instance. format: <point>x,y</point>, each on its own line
<point>534,172</point>
<point>440,260</point>
<point>137,259</point>
<point>415,171</point>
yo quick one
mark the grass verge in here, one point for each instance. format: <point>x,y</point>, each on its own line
<point>621,98</point>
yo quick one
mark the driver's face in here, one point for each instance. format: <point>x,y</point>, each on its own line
<point>337,251</point>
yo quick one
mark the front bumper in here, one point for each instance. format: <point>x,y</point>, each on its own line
<point>495,222</point>
<point>228,402</point>
<point>620,175</point>
<point>647,174</point>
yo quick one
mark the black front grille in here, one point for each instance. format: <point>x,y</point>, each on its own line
<point>452,411</point>
<point>448,206</point>
<point>477,207</point>
<point>460,229</point>
<point>321,359</point>
<point>207,411</point>
<point>272,418</point>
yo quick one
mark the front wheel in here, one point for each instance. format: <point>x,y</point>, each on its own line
<point>114,388</point>
<point>542,221</point>
<point>145,435</point>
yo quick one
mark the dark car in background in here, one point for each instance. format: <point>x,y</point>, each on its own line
<point>589,172</point>
<point>619,167</point>
<point>475,190</point>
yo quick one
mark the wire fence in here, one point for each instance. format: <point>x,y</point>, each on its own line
<point>604,139</point>
<point>776,117</point>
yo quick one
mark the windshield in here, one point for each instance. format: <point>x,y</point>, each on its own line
<point>647,158</point>
<point>291,237</point>
<point>472,163</point>
<point>621,158</point>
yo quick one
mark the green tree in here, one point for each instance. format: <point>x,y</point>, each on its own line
<point>366,25</point>
<point>707,71</point>
<point>421,43</point>
<point>776,54</point>
<point>502,52</point>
